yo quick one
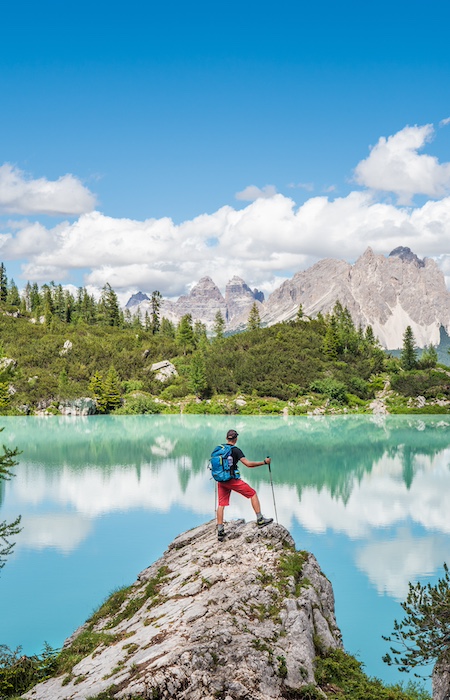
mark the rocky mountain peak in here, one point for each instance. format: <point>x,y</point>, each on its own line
<point>387,293</point>
<point>205,286</point>
<point>209,620</point>
<point>406,254</point>
<point>136,299</point>
<point>239,298</point>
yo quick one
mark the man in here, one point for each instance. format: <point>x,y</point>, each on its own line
<point>224,488</point>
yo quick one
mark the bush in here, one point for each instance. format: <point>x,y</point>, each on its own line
<point>138,405</point>
<point>333,389</point>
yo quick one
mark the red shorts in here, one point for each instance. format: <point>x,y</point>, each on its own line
<point>224,488</point>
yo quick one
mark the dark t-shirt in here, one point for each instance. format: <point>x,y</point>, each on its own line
<point>237,454</point>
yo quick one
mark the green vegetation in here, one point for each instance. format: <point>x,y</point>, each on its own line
<point>7,530</point>
<point>340,675</point>
<point>18,673</point>
<point>56,346</point>
<point>422,636</point>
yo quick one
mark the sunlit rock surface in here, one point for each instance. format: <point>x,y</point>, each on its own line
<point>237,619</point>
<point>387,293</point>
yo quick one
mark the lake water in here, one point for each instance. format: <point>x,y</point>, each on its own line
<point>102,497</point>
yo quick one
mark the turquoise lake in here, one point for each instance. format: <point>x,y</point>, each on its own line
<point>102,497</point>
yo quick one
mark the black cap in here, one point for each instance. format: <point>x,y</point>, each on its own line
<point>232,435</point>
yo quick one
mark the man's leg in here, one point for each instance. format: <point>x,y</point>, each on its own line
<point>220,511</point>
<point>255,503</point>
<point>260,519</point>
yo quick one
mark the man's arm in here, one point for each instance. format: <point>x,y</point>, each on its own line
<point>250,464</point>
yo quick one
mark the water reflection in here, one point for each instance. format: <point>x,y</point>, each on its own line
<point>357,476</point>
<point>102,497</point>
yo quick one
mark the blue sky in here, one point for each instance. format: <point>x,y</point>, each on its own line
<point>148,145</point>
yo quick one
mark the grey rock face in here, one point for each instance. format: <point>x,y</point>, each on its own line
<point>136,299</point>
<point>164,370</point>
<point>388,293</point>
<point>211,620</point>
<point>78,407</point>
<point>239,299</point>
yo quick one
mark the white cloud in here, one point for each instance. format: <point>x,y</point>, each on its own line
<point>265,241</point>
<point>22,195</point>
<point>391,565</point>
<point>394,165</point>
<point>444,122</point>
<point>252,193</point>
<point>259,242</point>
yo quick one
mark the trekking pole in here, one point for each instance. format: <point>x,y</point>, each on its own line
<point>273,493</point>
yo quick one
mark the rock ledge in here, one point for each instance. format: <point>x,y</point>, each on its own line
<point>239,619</point>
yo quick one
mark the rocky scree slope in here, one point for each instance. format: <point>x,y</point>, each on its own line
<point>237,619</point>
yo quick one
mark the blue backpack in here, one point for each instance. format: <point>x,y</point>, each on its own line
<point>221,463</point>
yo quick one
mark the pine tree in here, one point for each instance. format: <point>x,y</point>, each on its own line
<point>13,296</point>
<point>7,530</point>
<point>155,302</point>
<point>200,336</point>
<point>112,390</point>
<point>5,398</point>
<point>331,340</point>
<point>167,328</point>
<point>3,283</point>
<point>219,326</point>
<point>109,307</point>
<point>422,636</point>
<point>197,374</point>
<point>429,357</point>
<point>254,319</point>
<point>185,334</point>
<point>97,389</point>
<point>408,355</point>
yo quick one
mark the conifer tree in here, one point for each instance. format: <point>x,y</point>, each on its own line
<point>109,307</point>
<point>185,334</point>
<point>112,390</point>
<point>3,283</point>
<point>429,357</point>
<point>167,328</point>
<point>197,374</point>
<point>408,355</point>
<point>5,398</point>
<point>7,530</point>
<point>97,389</point>
<point>155,302</point>
<point>254,319</point>
<point>219,325</point>
<point>422,637</point>
<point>13,296</point>
<point>331,340</point>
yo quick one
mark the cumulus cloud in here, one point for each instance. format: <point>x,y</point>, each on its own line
<point>264,242</point>
<point>394,165</point>
<point>267,238</point>
<point>20,194</point>
<point>252,193</point>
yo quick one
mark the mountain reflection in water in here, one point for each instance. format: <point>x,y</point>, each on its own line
<point>102,497</point>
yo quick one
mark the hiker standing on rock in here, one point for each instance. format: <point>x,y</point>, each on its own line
<point>224,488</point>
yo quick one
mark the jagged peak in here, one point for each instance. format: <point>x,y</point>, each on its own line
<point>136,299</point>
<point>406,254</point>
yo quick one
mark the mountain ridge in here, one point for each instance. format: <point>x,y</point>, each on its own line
<point>388,293</point>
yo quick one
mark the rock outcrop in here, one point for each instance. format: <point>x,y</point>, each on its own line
<point>237,619</point>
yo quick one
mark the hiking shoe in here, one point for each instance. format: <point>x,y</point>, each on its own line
<point>221,535</point>
<point>264,521</point>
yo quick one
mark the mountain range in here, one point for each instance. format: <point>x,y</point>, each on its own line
<point>387,293</point>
